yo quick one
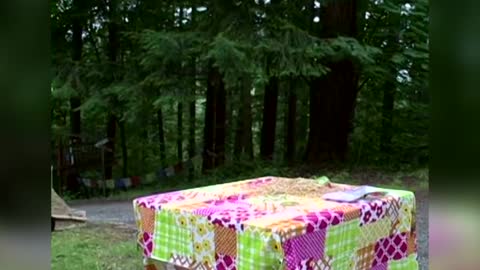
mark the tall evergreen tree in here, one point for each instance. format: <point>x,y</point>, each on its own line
<point>270,101</point>
<point>332,96</point>
<point>214,135</point>
<point>243,145</point>
<point>113,52</point>
<point>78,21</point>
<point>291,123</point>
<point>155,69</point>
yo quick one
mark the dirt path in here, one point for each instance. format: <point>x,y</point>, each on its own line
<point>122,212</point>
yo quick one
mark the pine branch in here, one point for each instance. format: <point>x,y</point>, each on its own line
<point>363,84</point>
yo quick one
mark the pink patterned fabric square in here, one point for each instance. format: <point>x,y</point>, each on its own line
<point>383,266</point>
<point>225,262</point>
<point>206,211</point>
<point>393,247</point>
<point>306,265</point>
<point>147,244</point>
<point>233,218</point>
<point>316,221</point>
<point>155,201</point>
<point>231,202</point>
<point>372,211</point>
<point>304,247</point>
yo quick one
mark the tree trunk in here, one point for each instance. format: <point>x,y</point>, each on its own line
<point>209,129</point>
<point>110,152</point>
<point>113,49</point>
<point>161,138</point>
<point>75,118</point>
<point>332,100</point>
<point>389,86</point>
<point>237,144</point>
<point>180,132</point>
<point>220,117</point>
<point>191,133</point>
<point>144,139</point>
<point>77,42</point>
<point>192,105</point>
<point>243,146</point>
<point>332,97</point>
<point>291,126</point>
<point>387,116</point>
<point>229,121</point>
<point>267,143</point>
<point>214,132</point>
<point>302,122</point>
<point>248,135</point>
<point>123,138</point>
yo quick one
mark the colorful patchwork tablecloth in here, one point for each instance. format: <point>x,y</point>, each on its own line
<point>238,226</point>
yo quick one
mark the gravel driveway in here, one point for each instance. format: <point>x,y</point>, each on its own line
<point>122,212</point>
<point>107,211</point>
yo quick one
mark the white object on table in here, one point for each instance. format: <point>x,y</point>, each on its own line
<point>351,195</point>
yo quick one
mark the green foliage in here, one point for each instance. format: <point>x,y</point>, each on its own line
<point>231,58</point>
<point>166,49</point>
<point>402,34</point>
<point>346,47</point>
<point>164,59</point>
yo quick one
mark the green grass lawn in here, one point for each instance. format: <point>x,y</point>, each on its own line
<point>93,247</point>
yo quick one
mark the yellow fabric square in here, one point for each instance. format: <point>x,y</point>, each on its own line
<point>203,241</point>
<point>404,219</point>
<point>372,232</point>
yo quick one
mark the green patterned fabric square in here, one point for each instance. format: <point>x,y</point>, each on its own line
<point>256,252</point>
<point>169,238</point>
<point>346,262</point>
<point>342,238</point>
<point>409,263</point>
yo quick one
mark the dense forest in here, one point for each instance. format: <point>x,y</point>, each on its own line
<point>241,83</point>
